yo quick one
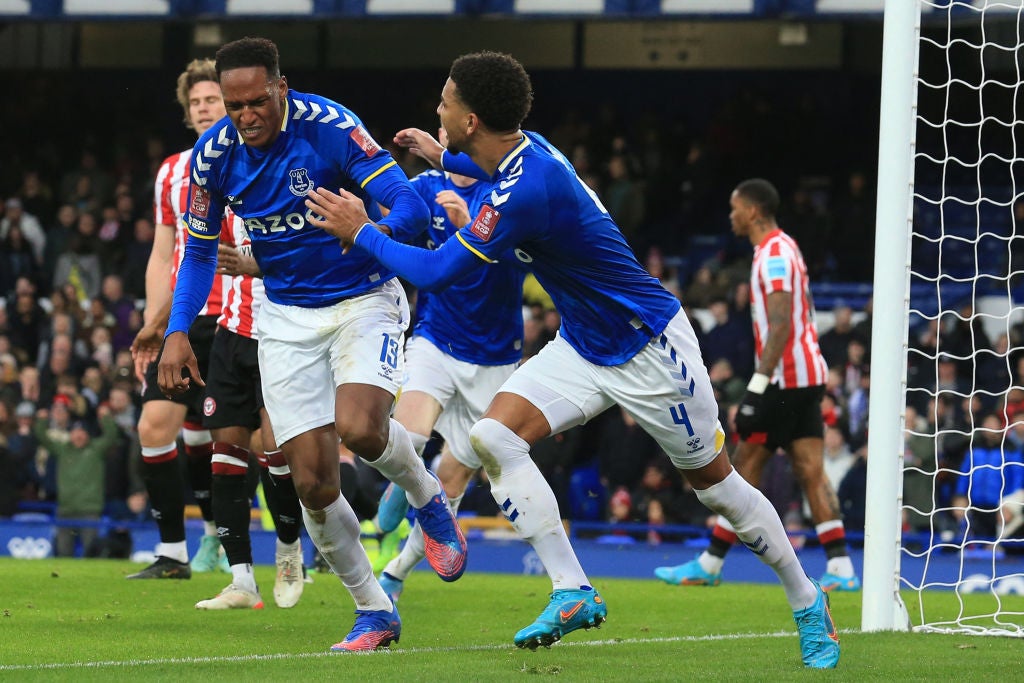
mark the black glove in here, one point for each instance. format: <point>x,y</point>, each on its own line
<point>750,422</point>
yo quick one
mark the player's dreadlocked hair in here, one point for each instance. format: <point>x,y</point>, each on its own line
<point>246,52</point>
<point>495,87</point>
<point>197,71</point>
<point>761,194</point>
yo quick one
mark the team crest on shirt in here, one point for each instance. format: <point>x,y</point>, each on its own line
<point>209,406</point>
<point>199,205</point>
<point>485,223</point>
<point>299,183</point>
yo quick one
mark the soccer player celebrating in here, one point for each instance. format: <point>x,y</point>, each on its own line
<point>331,328</point>
<point>467,341</point>
<point>162,417</point>
<point>782,405</point>
<point>624,340</point>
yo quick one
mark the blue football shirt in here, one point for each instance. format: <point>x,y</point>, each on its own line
<point>321,144</point>
<point>540,213</point>
<point>479,319</point>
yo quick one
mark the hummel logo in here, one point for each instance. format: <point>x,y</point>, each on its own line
<point>566,616</point>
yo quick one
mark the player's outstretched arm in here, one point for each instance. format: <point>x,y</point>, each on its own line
<point>422,144</point>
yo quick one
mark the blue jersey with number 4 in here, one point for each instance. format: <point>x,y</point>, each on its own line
<point>540,213</point>
<point>321,144</point>
<point>479,319</point>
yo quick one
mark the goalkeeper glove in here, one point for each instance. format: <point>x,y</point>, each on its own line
<point>750,421</point>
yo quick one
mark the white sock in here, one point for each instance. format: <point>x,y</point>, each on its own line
<point>527,501</point>
<point>400,464</point>
<point>283,548</point>
<point>242,577</point>
<point>840,566</point>
<point>710,563</point>
<point>419,442</point>
<point>757,524</point>
<point>176,551</point>
<point>335,531</point>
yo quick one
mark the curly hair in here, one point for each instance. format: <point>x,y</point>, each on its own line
<point>249,51</point>
<point>197,71</point>
<point>761,194</point>
<point>495,87</point>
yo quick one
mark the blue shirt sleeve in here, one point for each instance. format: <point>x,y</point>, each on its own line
<point>427,269</point>
<point>199,264</point>
<point>461,164</point>
<point>409,215</point>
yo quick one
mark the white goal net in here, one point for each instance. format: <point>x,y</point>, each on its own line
<point>953,546</point>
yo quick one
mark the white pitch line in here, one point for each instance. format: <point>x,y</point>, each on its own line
<point>387,652</point>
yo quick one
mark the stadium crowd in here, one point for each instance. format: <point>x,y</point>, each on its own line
<point>73,253</point>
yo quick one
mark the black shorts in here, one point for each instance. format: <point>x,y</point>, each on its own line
<point>200,336</point>
<point>234,395</point>
<point>792,414</point>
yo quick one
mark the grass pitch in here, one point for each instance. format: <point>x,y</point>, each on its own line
<point>81,620</point>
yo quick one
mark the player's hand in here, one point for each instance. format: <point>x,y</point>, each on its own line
<point>422,144</point>
<point>231,261</point>
<point>176,359</point>
<point>455,206</point>
<point>750,422</point>
<point>340,215</point>
<point>146,348</point>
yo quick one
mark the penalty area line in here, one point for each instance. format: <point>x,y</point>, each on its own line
<point>609,642</point>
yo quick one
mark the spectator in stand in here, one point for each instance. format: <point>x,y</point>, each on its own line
<point>81,464</point>
<point>863,328</point>
<point>853,241</point>
<point>856,365</point>
<point>60,362</point>
<point>137,256</point>
<point>16,259</point>
<point>28,384</point>
<point>23,445</point>
<point>623,450</point>
<point>730,338</point>
<point>668,276</point>
<point>26,321</point>
<point>624,198</point>
<point>620,507</point>
<point>728,387</point>
<point>835,343</point>
<point>94,190</point>
<point>703,289</point>
<point>36,197</point>
<point>63,325</point>
<point>80,266</point>
<point>982,483</point>
<point>117,304</point>
<point>857,412</point>
<point>58,239</point>
<point>918,470</point>
<point>852,492</point>
<point>32,232</point>
<point>658,499</point>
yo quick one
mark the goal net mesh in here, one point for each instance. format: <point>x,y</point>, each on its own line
<point>962,549</point>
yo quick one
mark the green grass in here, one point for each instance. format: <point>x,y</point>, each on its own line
<point>81,620</point>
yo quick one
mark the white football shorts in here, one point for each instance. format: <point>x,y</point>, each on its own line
<point>463,389</point>
<point>665,387</point>
<point>307,353</point>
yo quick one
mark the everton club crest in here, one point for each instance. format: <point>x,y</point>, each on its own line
<point>299,182</point>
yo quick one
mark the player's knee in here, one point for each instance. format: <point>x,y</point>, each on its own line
<point>153,430</point>
<point>366,438</point>
<point>497,446</point>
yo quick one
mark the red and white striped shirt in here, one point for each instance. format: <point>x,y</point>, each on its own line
<point>243,294</point>
<point>779,267</point>
<point>170,203</point>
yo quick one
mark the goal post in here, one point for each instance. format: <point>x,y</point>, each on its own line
<point>882,606</point>
<point>944,526</point>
